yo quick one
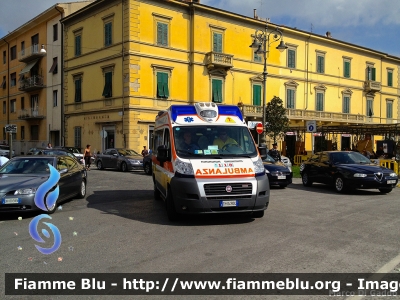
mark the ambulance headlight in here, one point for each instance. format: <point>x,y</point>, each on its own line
<point>183,167</point>
<point>259,167</point>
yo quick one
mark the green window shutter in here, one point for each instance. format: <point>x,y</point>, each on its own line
<point>160,85</point>
<point>389,110</point>
<point>390,79</point>
<point>108,34</point>
<point>346,105</point>
<point>165,85</point>
<point>320,102</point>
<point>347,69</point>
<point>77,45</point>
<point>291,58</point>
<point>256,94</point>
<point>373,71</point>
<point>78,90</point>
<point>162,34</point>
<point>217,42</point>
<point>107,91</point>
<point>217,91</point>
<point>290,98</point>
<point>321,66</point>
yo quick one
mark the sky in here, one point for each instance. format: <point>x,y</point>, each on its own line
<point>373,24</point>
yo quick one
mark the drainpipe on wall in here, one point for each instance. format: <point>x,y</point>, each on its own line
<point>62,81</point>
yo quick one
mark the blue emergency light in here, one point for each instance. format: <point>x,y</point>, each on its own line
<point>229,110</point>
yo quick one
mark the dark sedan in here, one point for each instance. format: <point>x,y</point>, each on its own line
<point>278,173</point>
<point>347,170</point>
<point>21,177</point>
<point>120,159</point>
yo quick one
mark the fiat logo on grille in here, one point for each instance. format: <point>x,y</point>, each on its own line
<point>228,188</point>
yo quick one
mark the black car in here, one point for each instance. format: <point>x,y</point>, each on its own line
<point>148,164</point>
<point>347,170</point>
<point>278,173</point>
<point>21,177</point>
<point>120,159</point>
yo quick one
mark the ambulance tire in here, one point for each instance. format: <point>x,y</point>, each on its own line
<point>173,216</point>
<point>157,194</point>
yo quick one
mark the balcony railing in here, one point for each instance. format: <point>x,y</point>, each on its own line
<point>30,53</point>
<point>301,114</point>
<point>218,60</point>
<point>31,83</point>
<point>372,86</point>
<point>33,113</point>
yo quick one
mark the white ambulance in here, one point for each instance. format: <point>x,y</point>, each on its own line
<point>205,161</point>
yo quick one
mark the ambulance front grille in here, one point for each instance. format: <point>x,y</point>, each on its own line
<point>220,189</point>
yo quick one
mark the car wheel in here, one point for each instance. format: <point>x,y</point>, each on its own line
<point>171,211</point>
<point>306,180</point>
<point>82,192</point>
<point>340,185</point>
<point>147,168</point>
<point>157,194</point>
<point>99,165</point>
<point>124,167</point>
<point>385,191</point>
<point>51,210</point>
<point>258,214</point>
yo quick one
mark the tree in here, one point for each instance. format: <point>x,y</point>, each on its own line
<point>277,123</point>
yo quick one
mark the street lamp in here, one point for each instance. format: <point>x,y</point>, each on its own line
<point>262,41</point>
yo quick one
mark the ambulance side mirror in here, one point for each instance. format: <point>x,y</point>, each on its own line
<point>263,152</point>
<point>163,154</point>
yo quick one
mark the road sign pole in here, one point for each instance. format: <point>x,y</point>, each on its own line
<point>11,148</point>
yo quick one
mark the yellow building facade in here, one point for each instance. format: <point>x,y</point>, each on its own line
<point>125,60</point>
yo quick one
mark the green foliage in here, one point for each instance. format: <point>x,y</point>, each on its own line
<point>296,171</point>
<point>275,116</point>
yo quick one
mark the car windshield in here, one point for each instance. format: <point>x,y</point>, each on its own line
<point>32,165</point>
<point>216,141</point>
<point>127,152</point>
<point>349,158</point>
<point>269,159</point>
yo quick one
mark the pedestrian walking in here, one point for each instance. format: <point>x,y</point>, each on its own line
<point>274,152</point>
<point>49,146</point>
<point>87,156</point>
<point>144,151</point>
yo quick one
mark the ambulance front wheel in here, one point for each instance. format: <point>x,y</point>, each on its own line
<point>171,211</point>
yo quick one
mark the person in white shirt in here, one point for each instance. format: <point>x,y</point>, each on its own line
<point>3,160</point>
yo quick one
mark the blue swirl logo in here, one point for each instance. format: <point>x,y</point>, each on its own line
<point>45,198</point>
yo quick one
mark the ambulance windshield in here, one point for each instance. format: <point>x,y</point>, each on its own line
<point>195,141</point>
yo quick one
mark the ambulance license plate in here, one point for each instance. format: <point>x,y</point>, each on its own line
<point>228,203</point>
<point>391,181</point>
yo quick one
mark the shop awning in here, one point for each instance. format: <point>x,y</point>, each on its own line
<point>29,66</point>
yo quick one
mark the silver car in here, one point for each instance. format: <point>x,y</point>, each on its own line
<point>120,159</point>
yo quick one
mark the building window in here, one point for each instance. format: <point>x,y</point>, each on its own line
<point>34,132</point>
<point>370,107</point>
<point>390,77</point>
<point>4,57</point>
<point>13,52</point>
<point>78,89</point>
<point>389,109</point>
<point>23,48</point>
<point>4,107</point>
<point>55,100</point>
<point>22,132</point>
<point>55,32</point>
<point>22,103</point>
<point>107,91</point>
<point>346,104</point>
<point>162,85</point>
<point>217,42</point>
<point>108,34</point>
<point>78,45</point>
<point>54,67</point>
<point>217,90</point>
<point>291,58</point>
<point>13,79</point>
<point>346,68</point>
<point>370,73</point>
<point>319,106</point>
<point>257,88</point>
<point>290,98</point>
<point>13,106</point>
<point>77,137</point>
<point>320,63</point>
<point>162,34</point>
<point>35,102</point>
<point>3,83</point>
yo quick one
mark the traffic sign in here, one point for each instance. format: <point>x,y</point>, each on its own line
<point>103,134</point>
<point>11,128</point>
<point>259,128</point>
<point>311,126</point>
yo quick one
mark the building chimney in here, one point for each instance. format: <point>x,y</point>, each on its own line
<point>328,34</point>
<point>255,14</point>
